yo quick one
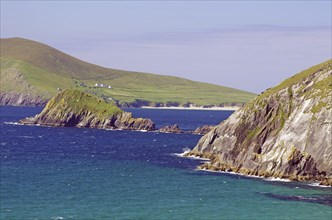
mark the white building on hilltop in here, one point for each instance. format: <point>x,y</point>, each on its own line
<point>102,85</point>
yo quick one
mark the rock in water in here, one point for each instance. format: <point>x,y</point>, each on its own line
<point>74,108</point>
<point>171,129</point>
<point>285,132</point>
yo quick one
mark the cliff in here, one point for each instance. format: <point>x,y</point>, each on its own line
<point>285,132</point>
<point>21,99</point>
<point>73,108</point>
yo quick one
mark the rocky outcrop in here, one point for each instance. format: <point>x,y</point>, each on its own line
<point>285,132</point>
<point>20,99</point>
<point>73,108</point>
<point>203,129</point>
<point>171,129</point>
<point>15,90</point>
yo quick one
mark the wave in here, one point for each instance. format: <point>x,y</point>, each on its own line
<point>272,179</point>
<point>24,136</point>
<point>57,218</point>
<point>187,150</point>
<point>316,184</point>
<point>277,179</point>
<point>16,123</point>
<point>230,172</point>
<point>11,123</point>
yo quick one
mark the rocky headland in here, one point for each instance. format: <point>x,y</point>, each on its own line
<point>74,108</point>
<point>284,133</point>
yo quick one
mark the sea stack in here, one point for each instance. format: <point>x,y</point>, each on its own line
<point>285,132</point>
<point>74,108</point>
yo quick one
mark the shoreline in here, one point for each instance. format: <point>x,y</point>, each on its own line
<point>269,179</point>
<point>227,108</point>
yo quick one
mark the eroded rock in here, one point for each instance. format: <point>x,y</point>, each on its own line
<point>285,132</point>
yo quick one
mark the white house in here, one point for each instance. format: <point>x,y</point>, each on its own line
<point>102,85</point>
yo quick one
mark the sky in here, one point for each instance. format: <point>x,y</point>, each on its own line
<point>248,45</point>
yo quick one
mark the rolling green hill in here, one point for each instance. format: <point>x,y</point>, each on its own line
<point>33,70</point>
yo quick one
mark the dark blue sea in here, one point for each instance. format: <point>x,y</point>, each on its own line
<point>77,173</point>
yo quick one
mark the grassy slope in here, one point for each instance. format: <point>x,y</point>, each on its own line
<point>325,66</point>
<point>78,101</point>
<point>46,69</point>
<point>322,88</point>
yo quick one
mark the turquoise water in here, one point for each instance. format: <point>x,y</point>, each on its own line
<point>71,173</point>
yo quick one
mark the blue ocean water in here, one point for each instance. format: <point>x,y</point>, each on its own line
<point>73,173</point>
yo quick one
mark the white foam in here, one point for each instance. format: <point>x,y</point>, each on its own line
<point>315,184</point>
<point>190,157</point>
<point>230,172</point>
<point>277,179</point>
<point>318,185</point>
<point>58,218</point>
<point>12,123</point>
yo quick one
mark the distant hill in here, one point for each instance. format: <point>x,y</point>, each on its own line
<point>32,72</point>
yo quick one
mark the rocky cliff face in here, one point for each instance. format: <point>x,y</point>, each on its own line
<point>24,93</point>
<point>20,99</point>
<point>73,108</point>
<point>285,132</point>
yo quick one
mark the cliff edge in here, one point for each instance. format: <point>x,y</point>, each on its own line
<point>73,108</point>
<point>285,132</point>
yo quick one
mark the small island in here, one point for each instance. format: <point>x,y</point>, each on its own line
<point>74,108</point>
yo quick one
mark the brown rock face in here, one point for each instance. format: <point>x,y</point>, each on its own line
<point>285,132</point>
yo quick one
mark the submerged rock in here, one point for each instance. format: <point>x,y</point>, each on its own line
<point>285,132</point>
<point>74,108</point>
<point>171,129</point>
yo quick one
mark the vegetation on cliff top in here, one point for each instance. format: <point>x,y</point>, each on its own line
<point>77,102</point>
<point>321,88</point>
<point>44,69</point>
<point>325,66</point>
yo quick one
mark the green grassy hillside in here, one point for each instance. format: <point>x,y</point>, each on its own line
<point>43,69</point>
<point>78,102</point>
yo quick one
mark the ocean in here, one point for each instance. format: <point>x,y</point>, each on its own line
<point>81,173</point>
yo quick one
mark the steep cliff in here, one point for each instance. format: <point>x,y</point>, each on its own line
<point>24,93</point>
<point>285,132</point>
<point>73,108</point>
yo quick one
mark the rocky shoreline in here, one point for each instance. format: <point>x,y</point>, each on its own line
<point>283,133</point>
<point>215,165</point>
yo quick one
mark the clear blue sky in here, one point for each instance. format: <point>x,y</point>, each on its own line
<point>250,45</point>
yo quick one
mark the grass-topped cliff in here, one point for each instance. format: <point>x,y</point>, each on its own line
<point>79,102</point>
<point>74,108</point>
<point>285,132</point>
<point>33,68</point>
